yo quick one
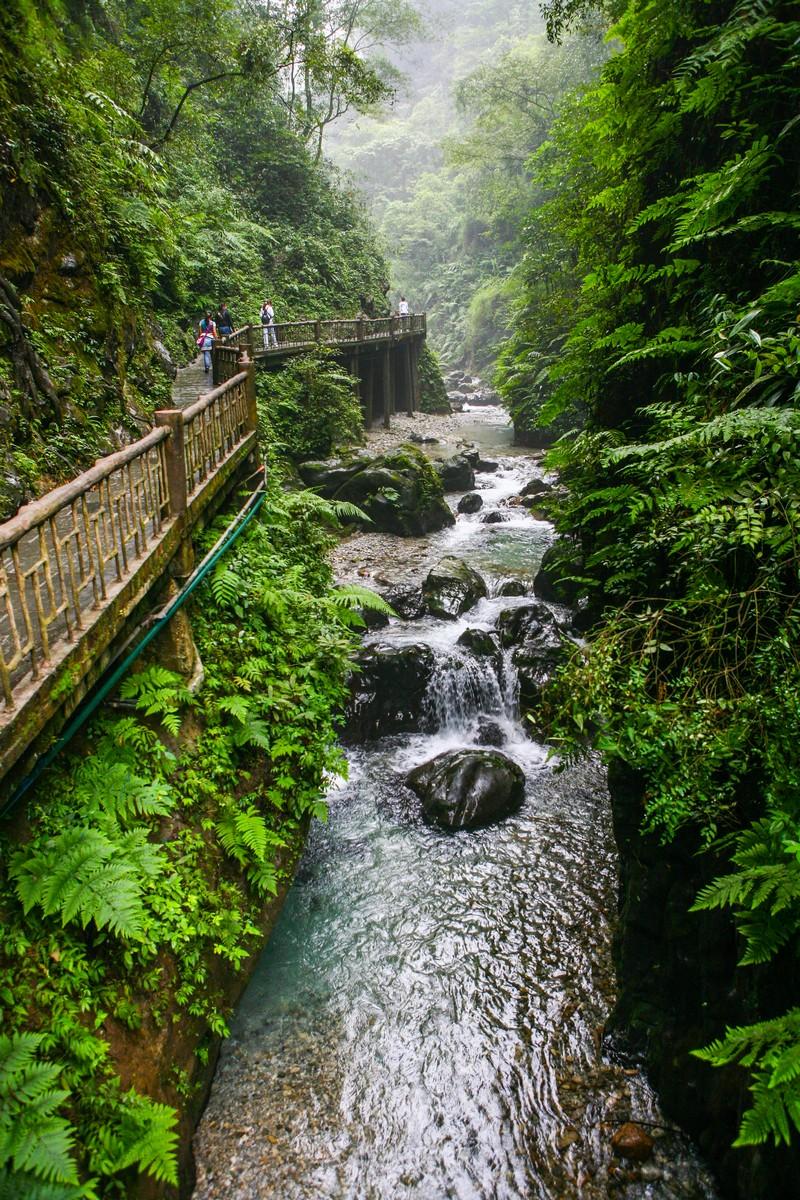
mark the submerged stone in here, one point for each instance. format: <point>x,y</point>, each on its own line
<point>463,789</point>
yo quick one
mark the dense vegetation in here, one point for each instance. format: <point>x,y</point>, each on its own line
<point>659,295</point>
<point>133,885</point>
<point>156,159</point>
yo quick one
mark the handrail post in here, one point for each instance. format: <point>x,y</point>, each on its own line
<point>318,331</point>
<point>246,363</point>
<point>360,329</point>
<point>174,459</point>
<point>393,327</point>
<point>249,344</point>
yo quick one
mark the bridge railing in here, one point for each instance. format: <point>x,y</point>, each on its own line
<point>60,555</point>
<point>213,427</point>
<point>65,557</point>
<point>292,335</point>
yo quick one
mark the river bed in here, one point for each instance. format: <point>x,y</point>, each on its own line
<point>427,1021</point>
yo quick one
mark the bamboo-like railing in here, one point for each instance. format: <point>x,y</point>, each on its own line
<point>75,562</point>
<point>64,557</point>
<point>289,336</point>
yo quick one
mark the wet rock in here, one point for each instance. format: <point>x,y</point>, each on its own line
<point>399,491</point>
<point>538,647</point>
<point>528,623</point>
<point>165,358</point>
<point>470,452</point>
<point>551,582</point>
<point>486,464</point>
<point>536,487</point>
<point>512,587</point>
<point>470,503</point>
<point>420,440</point>
<point>632,1142</point>
<point>387,691</point>
<point>69,265</point>
<point>407,602</point>
<point>452,587</point>
<point>456,474</point>
<point>489,733</point>
<point>480,642</point>
<point>495,517</point>
<point>463,789</point>
<point>328,475</point>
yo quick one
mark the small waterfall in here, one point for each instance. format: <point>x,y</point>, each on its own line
<point>463,689</point>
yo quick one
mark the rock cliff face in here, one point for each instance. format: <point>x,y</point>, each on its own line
<point>75,354</point>
<point>679,987</point>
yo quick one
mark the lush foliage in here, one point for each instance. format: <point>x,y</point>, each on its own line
<point>670,196</point>
<point>309,408</point>
<point>479,100</point>
<point>156,159</point>
<point>149,854</point>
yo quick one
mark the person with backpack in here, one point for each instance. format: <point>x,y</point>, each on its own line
<point>268,321</point>
<point>225,320</point>
<point>205,342</point>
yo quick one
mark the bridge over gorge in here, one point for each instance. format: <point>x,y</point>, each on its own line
<point>382,354</point>
<point>81,567</point>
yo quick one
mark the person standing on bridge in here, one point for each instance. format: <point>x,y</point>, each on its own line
<point>402,308</point>
<point>268,321</point>
<point>224,320</point>
<point>208,332</point>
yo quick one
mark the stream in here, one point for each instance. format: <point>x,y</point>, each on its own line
<point>427,1021</point>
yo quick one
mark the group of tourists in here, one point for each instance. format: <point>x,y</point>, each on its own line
<point>211,328</point>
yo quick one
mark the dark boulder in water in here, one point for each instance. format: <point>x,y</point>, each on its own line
<point>452,587</point>
<point>456,474</point>
<point>470,503</point>
<point>512,587</point>
<point>490,734</point>
<point>407,602</point>
<point>538,646</point>
<point>387,691</point>
<point>463,789</point>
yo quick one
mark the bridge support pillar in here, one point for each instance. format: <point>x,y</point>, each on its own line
<point>408,376</point>
<point>415,350</point>
<point>388,389</point>
<point>367,390</point>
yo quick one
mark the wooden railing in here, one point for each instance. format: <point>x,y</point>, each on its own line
<point>262,340</point>
<point>60,555</point>
<point>66,557</point>
<point>75,564</point>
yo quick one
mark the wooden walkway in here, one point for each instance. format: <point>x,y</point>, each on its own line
<point>76,563</point>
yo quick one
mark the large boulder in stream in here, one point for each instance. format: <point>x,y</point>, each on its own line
<point>456,474</point>
<point>537,644</point>
<point>387,691</point>
<point>462,789</point>
<point>399,491</point>
<point>552,581</point>
<point>452,587</point>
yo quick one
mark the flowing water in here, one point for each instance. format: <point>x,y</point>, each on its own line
<point>427,1021</point>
